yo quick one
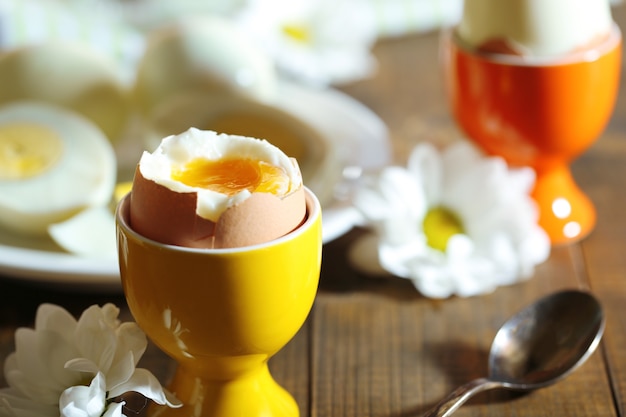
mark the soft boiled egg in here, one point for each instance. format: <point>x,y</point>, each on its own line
<point>53,164</point>
<point>207,190</point>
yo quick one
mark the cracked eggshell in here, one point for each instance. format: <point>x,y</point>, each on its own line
<point>167,216</point>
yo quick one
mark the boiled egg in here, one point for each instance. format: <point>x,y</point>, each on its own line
<point>205,55</point>
<point>536,28</point>
<point>53,164</point>
<point>68,75</point>
<point>210,190</point>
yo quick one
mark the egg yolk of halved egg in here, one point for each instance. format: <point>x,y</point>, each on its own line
<point>231,176</point>
<point>54,163</point>
<point>27,150</point>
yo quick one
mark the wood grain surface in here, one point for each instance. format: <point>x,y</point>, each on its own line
<point>376,347</point>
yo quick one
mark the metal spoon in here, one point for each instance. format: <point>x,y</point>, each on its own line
<point>537,347</point>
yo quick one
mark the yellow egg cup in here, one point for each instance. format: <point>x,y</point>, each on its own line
<point>222,313</point>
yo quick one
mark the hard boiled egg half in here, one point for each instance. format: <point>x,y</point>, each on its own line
<point>54,163</point>
<point>207,190</point>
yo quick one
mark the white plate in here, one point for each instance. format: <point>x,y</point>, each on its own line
<point>357,134</point>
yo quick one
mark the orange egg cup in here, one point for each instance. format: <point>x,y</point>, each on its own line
<point>541,114</point>
<point>222,313</point>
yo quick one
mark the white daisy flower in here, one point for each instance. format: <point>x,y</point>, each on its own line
<point>453,222</point>
<point>319,42</point>
<point>77,368</point>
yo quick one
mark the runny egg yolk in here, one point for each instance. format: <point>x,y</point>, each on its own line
<point>27,150</point>
<point>231,176</point>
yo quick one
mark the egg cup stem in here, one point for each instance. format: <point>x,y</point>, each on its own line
<point>565,211</point>
<point>221,314</point>
<point>254,393</point>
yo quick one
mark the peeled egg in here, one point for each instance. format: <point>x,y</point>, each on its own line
<point>206,55</point>
<point>210,190</point>
<point>53,164</point>
<point>70,76</point>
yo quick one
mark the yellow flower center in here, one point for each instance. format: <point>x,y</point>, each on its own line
<point>297,32</point>
<point>439,225</point>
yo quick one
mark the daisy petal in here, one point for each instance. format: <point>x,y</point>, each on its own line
<point>13,404</point>
<point>143,382</point>
<point>81,401</point>
<point>56,319</point>
<point>114,410</point>
<point>424,165</point>
<point>132,339</point>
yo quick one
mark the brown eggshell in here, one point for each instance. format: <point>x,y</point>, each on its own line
<point>169,217</point>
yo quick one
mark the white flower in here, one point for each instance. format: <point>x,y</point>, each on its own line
<point>454,222</point>
<point>77,368</point>
<point>319,42</point>
<point>81,401</point>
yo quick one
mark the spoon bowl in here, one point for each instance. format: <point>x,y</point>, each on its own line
<point>537,347</point>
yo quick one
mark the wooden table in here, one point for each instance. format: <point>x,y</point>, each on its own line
<point>375,347</point>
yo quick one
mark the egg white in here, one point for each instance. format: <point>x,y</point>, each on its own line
<point>82,176</point>
<point>90,233</point>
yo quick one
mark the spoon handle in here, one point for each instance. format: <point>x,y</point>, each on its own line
<point>456,398</point>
